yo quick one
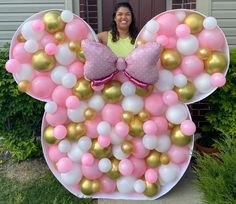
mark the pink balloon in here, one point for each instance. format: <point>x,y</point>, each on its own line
<point>150,127</point>
<point>107,185</point>
<point>12,66</point>
<point>76,30</point>
<point>178,155</point>
<point>98,88</point>
<point>104,141</point>
<point>171,43</point>
<point>139,151</point>
<point>177,71</point>
<point>57,118</point>
<point>188,127</point>
<point>155,105</point>
<point>218,79</point>
<point>64,165</point>
<point>139,166</point>
<point>87,159</point>
<point>182,31</point>
<point>60,94</point>
<point>60,132</point>
<point>77,68</point>
<point>121,129</point>
<point>38,25</point>
<point>162,39</point>
<point>72,102</point>
<point>192,66</point>
<point>151,175</point>
<point>91,127</point>
<point>170,97</point>
<point>126,167</point>
<point>51,48</point>
<point>54,154</point>
<point>47,39</point>
<point>92,171</point>
<point>112,113</point>
<point>19,53</point>
<point>161,123</point>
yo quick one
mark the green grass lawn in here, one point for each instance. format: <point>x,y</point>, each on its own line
<point>32,183</point>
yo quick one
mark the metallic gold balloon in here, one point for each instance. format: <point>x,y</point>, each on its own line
<point>48,135</point>
<point>203,53</point>
<point>195,22</point>
<point>136,127</point>
<point>112,92</point>
<point>144,115</point>
<point>24,86</point>
<point>139,42</point>
<point>216,63</point>
<point>83,89</point>
<point>95,186</point>
<point>80,56</point>
<point>164,159</point>
<point>153,159</point>
<point>151,189</point>
<point>144,91</point>
<point>89,113</point>
<point>186,93</point>
<point>127,147</point>
<point>60,37</point>
<point>114,172</point>
<point>127,117</point>
<point>74,46</point>
<point>98,151</point>
<point>53,22</point>
<point>86,186</point>
<point>43,62</point>
<point>170,125</point>
<point>178,138</point>
<point>75,131</point>
<point>170,59</point>
<point>20,38</point>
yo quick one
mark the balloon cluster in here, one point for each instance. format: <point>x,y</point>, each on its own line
<point>118,140</point>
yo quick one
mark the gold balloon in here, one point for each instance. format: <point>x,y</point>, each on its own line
<point>203,53</point>
<point>170,125</point>
<point>185,93</point>
<point>43,62</point>
<point>217,62</point>
<point>195,22</point>
<point>53,22</point>
<point>164,159</point>
<point>151,189</point>
<point>95,186</point>
<point>60,37</point>
<point>114,172</point>
<point>178,138</point>
<point>48,135</point>
<point>144,91</point>
<point>144,115</point>
<point>86,186</point>
<point>136,127</point>
<point>139,42</point>
<point>24,86</point>
<point>153,159</point>
<point>98,151</point>
<point>83,89</point>
<point>127,147</point>
<point>20,38</point>
<point>80,56</point>
<point>112,92</point>
<point>89,113</point>
<point>127,117</point>
<point>75,131</point>
<point>74,46</point>
<point>170,59</point>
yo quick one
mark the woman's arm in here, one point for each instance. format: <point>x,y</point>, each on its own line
<point>103,37</point>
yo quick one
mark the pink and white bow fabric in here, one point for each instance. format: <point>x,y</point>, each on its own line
<point>140,66</point>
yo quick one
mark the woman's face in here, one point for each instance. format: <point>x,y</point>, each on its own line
<point>123,18</point>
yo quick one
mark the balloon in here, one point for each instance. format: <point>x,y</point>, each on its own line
<point>188,127</point>
<point>218,79</point>
<point>163,143</point>
<point>126,167</point>
<point>150,141</point>
<point>38,25</point>
<point>209,23</point>
<point>136,127</point>
<point>104,165</point>
<point>150,127</point>
<point>50,107</point>
<point>178,155</point>
<point>84,143</point>
<point>50,48</point>
<point>151,189</point>
<point>139,150</point>
<point>168,173</point>
<point>57,118</point>
<point>89,113</point>
<point>83,89</point>
<point>43,62</point>
<point>111,113</point>
<point>19,53</point>
<point>60,94</point>
<point>178,137</point>
<point>151,176</point>
<point>170,59</point>
<point>152,26</point>
<point>162,39</point>
<point>12,65</point>
<point>203,53</point>
<point>24,86</point>
<point>77,68</point>
<point>153,159</point>
<point>87,159</point>
<point>26,72</point>
<point>170,98</point>
<point>155,105</point>
<point>192,66</point>
<point>121,129</point>
<point>112,92</point>
<point>202,83</point>
<point>187,45</point>
<point>72,177</point>
<point>133,104</point>
<point>104,141</point>
<point>180,80</point>
<point>54,154</point>
<point>195,22</point>
<point>64,165</point>
<point>127,146</point>
<point>60,132</point>
<point>125,184</point>
<point>182,31</point>
<point>107,185</point>
<point>139,166</point>
<point>31,46</point>
<point>186,93</point>
<point>176,113</point>
<point>128,88</point>
<point>217,62</point>
<point>53,22</point>
<point>28,31</point>
<point>139,186</point>
<point>67,16</point>
<point>72,102</point>
<point>64,146</point>
<point>64,55</point>
<point>69,80</point>
<point>166,81</point>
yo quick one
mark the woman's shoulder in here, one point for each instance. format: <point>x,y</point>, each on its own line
<point>103,37</point>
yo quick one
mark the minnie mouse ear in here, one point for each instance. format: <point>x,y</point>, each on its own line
<point>44,51</point>
<point>195,57</point>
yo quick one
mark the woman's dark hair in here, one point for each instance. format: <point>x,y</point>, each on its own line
<point>133,31</point>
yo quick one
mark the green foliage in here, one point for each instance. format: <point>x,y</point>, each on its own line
<point>20,117</point>
<point>216,177</point>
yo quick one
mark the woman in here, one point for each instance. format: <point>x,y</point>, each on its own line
<point>123,31</point>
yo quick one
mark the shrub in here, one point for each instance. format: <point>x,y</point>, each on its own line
<point>20,117</point>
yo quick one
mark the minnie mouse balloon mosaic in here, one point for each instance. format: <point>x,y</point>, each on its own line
<point>118,132</point>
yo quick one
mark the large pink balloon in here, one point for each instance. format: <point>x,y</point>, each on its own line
<point>178,155</point>
<point>19,53</point>
<point>155,105</point>
<point>139,166</point>
<point>112,113</point>
<point>60,94</point>
<point>107,185</point>
<point>91,172</point>
<point>57,118</point>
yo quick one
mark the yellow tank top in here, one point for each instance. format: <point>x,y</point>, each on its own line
<point>122,47</point>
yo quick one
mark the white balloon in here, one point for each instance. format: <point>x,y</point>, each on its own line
<point>64,146</point>
<point>128,88</point>
<point>168,173</point>
<point>64,55</point>
<point>115,139</point>
<point>152,26</point>
<point>125,184</point>
<point>104,128</point>
<point>75,153</point>
<point>31,46</point>
<point>85,143</point>
<point>150,141</point>
<point>67,16</point>
<point>139,186</point>
<point>104,165</point>
<point>209,23</point>
<point>148,36</point>
<point>69,80</point>
<point>187,45</point>
<point>57,74</point>
<point>180,80</point>
<point>166,81</point>
<point>118,153</point>
<point>177,113</point>
<point>50,107</point>
<point>29,34</point>
<point>203,83</point>
<point>163,143</point>
<point>96,102</point>
<point>133,104</point>
<point>26,72</point>
<point>77,115</point>
<point>180,15</point>
<point>72,177</point>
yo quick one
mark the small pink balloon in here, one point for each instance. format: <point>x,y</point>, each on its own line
<point>170,97</point>
<point>19,53</point>
<point>77,68</point>
<point>171,43</point>
<point>151,175</point>
<point>126,167</point>
<point>188,127</point>
<point>104,141</point>
<point>150,127</point>
<point>121,129</point>
<point>92,171</point>
<point>60,94</point>
<point>161,123</point>
<point>72,102</point>
<point>182,31</point>
<point>12,66</point>
<point>47,39</point>
<point>139,166</point>
<point>54,154</point>
<point>64,165</point>
<point>218,79</point>
<point>87,159</point>
<point>162,39</point>
<point>139,151</point>
<point>155,105</point>
<point>178,155</point>
<point>91,127</point>
<point>112,113</point>
<point>60,132</point>
<point>107,185</point>
<point>98,88</point>
<point>57,118</point>
<point>38,25</point>
<point>51,49</point>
